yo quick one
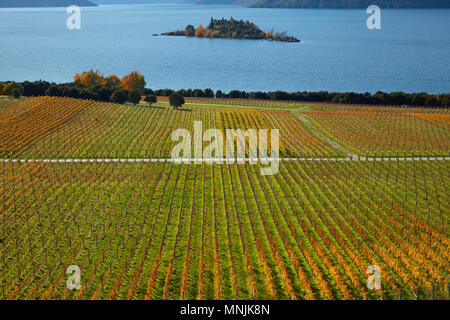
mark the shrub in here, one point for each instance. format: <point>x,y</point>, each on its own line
<point>176,100</point>
<point>150,99</point>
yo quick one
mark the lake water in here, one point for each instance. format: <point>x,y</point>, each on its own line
<point>337,53</point>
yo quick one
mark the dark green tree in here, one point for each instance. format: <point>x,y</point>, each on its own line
<point>445,100</point>
<point>105,93</point>
<point>134,97</point>
<point>53,91</point>
<point>198,93</point>
<point>119,96</point>
<point>36,88</point>
<point>220,94</point>
<point>85,94</point>
<point>176,100</point>
<point>279,95</point>
<point>150,99</point>
<point>259,95</point>
<point>432,102</point>
<point>235,94</point>
<point>11,86</point>
<point>418,100</point>
<point>398,98</point>
<point>190,31</point>
<point>208,93</point>
<point>71,92</point>
<point>16,93</point>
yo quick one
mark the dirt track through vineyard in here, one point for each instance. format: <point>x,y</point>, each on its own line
<point>320,135</point>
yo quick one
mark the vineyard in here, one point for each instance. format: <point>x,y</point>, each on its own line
<point>221,231</point>
<point>21,125</point>
<point>7,103</point>
<point>411,131</point>
<point>99,130</point>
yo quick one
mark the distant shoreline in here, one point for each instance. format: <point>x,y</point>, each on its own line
<point>45,3</point>
<point>332,4</point>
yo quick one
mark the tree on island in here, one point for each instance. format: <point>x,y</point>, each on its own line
<point>190,31</point>
<point>176,100</point>
<point>199,32</point>
<point>150,99</point>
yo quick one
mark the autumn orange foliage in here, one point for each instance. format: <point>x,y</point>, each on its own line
<point>90,78</point>
<point>200,30</point>
<point>133,81</point>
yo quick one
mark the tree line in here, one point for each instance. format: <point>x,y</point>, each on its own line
<point>87,85</point>
<point>379,98</point>
<point>131,88</point>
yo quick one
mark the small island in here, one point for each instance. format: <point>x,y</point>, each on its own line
<point>231,29</point>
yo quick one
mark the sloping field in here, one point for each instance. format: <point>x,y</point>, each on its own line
<point>28,121</point>
<point>385,129</point>
<point>7,103</point>
<point>166,231</point>
<point>119,131</point>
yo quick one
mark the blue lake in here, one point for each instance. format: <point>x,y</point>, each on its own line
<point>337,53</point>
